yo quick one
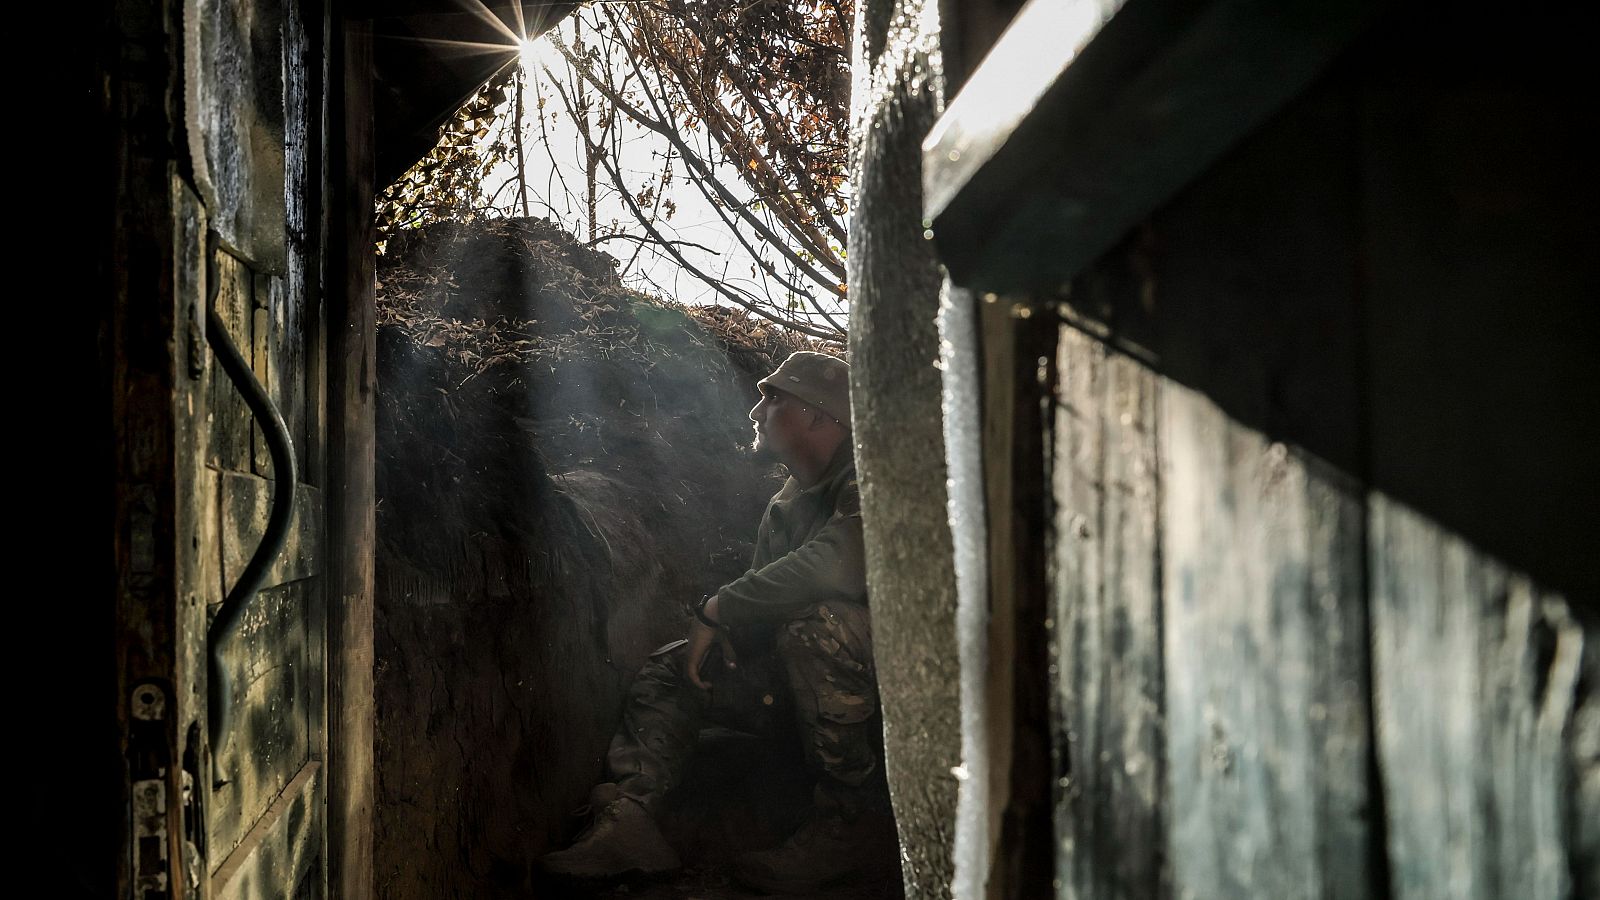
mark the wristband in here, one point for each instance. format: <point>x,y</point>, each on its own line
<point>700,613</point>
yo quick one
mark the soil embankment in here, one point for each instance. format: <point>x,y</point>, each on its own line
<point>560,472</point>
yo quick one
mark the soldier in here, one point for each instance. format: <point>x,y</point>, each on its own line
<point>808,583</point>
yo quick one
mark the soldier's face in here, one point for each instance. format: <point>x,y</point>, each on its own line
<point>780,421</point>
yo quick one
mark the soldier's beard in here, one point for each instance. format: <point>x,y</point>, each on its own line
<point>759,447</point>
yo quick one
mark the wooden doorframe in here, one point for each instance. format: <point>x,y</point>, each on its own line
<point>1017,338</point>
<point>352,383</point>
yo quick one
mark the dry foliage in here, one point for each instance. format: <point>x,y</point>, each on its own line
<point>752,101</point>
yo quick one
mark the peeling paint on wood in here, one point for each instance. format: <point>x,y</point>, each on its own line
<point>196,511</point>
<point>234,113</point>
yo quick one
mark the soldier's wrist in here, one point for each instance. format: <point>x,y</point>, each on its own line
<point>704,616</point>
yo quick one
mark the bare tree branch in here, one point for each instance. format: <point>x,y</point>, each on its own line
<point>719,285</point>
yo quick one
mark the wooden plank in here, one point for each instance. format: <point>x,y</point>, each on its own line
<point>1059,144</point>
<point>1018,357</point>
<point>1106,586</point>
<point>1583,758</point>
<point>996,742</point>
<point>306,71</point>
<point>265,368</point>
<point>1265,645</point>
<point>288,347</point>
<point>352,389</point>
<point>230,415</point>
<point>196,510</point>
<point>281,849</point>
<point>1076,580</point>
<point>246,503</point>
<point>132,70</point>
<point>305,66</point>
<point>268,659</point>
<point>234,118</point>
<point>280,362</point>
<point>1476,673</point>
<point>288,294</point>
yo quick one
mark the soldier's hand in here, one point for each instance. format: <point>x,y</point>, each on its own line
<point>701,637</point>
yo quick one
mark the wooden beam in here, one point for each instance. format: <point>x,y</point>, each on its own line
<point>1088,115</point>
<point>352,371</point>
<point>1018,356</point>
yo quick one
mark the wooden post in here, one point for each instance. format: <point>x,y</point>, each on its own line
<point>1019,359</point>
<point>352,377</point>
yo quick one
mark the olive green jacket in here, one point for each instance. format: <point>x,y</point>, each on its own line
<point>809,550</point>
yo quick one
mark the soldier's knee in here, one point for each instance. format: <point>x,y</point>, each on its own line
<point>663,668</point>
<point>828,631</point>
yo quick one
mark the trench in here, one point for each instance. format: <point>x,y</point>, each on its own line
<point>561,472</point>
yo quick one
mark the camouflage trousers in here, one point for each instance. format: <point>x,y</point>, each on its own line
<point>823,662</point>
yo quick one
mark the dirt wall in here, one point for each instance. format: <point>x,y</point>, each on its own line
<point>560,472</point>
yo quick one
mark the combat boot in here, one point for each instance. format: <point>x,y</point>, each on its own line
<point>825,851</point>
<point>622,839</point>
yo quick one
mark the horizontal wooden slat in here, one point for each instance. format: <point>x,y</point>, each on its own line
<point>269,661</point>
<point>1023,195</point>
<point>246,503</point>
<point>278,852</point>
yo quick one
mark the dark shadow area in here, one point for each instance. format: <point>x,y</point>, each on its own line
<point>1396,273</point>
<point>429,60</point>
<point>742,793</point>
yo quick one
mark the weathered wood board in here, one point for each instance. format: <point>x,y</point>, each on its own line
<point>351,353</point>
<point>286,383</point>
<point>268,659</point>
<point>1476,677</point>
<point>1107,618</point>
<point>197,572</point>
<point>266,370</point>
<point>198,232</point>
<point>278,855</point>
<point>230,441</point>
<point>246,503</point>
<point>1265,652</point>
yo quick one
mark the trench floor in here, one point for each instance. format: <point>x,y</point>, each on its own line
<point>741,794</point>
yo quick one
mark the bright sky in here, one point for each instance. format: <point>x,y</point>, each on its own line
<point>553,150</point>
